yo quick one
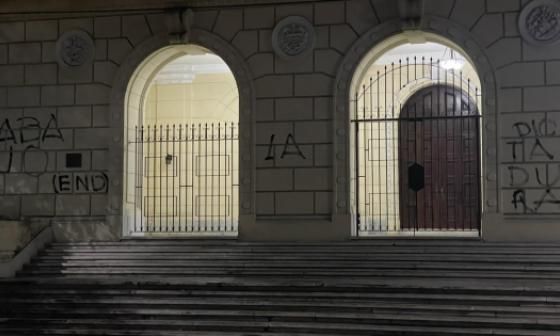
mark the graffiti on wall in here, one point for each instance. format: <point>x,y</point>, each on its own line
<point>27,135</point>
<point>79,183</point>
<point>533,170</point>
<point>289,148</point>
<point>24,148</point>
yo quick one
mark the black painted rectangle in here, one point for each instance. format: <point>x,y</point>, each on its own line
<point>74,160</point>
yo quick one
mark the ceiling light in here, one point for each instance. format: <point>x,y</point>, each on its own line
<point>452,63</point>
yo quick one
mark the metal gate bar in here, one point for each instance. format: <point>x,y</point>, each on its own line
<point>395,166</point>
<point>186,179</point>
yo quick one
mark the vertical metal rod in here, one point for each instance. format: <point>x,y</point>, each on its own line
<point>446,121</point>
<point>415,127</point>
<point>370,220</point>
<point>407,71</point>
<point>454,156</point>
<point>462,200</point>
<point>393,143</point>
<point>457,132</point>
<point>232,174</point>
<point>152,194</point>
<point>219,216</point>
<point>199,171</point>
<point>226,173</point>
<point>193,167</point>
<point>406,123</point>
<point>378,163</point>
<point>439,154</point>
<point>205,177</point>
<point>179,172</point>
<point>141,166</point>
<point>135,194</point>
<point>415,77</point>
<point>154,178</point>
<point>166,217</point>
<point>466,146</point>
<point>365,152</point>
<point>146,163</point>
<point>397,139</point>
<point>188,168</point>
<point>434,143</point>
<point>386,154</point>
<point>400,76</point>
<point>478,176</point>
<point>357,160</point>
<point>160,175</point>
<point>212,181</point>
<point>173,162</point>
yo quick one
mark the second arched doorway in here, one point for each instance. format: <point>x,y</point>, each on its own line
<point>439,161</point>
<point>415,145</point>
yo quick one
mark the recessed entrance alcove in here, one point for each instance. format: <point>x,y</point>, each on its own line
<point>415,140</point>
<point>182,148</point>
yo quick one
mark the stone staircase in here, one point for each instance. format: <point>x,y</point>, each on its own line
<point>225,287</point>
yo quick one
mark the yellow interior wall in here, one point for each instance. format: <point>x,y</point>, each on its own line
<point>203,161</point>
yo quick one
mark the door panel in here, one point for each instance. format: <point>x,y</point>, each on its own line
<point>439,136</point>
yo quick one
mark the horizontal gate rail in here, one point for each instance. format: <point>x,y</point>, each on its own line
<point>186,178</point>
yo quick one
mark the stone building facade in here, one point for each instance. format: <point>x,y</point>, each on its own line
<point>68,77</point>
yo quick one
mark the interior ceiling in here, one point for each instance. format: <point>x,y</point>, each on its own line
<point>185,68</point>
<point>427,50</point>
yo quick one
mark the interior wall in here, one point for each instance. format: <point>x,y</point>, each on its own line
<point>210,98</point>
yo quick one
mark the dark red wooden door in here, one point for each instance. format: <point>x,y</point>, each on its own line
<point>439,161</point>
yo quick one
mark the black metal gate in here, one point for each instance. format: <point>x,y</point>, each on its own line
<point>416,152</point>
<point>185,179</point>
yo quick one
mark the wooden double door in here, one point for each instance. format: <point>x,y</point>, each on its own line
<point>439,161</point>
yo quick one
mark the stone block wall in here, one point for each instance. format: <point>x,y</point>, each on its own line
<point>54,131</point>
<point>57,128</point>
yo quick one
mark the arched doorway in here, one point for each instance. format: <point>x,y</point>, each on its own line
<point>415,124</point>
<point>182,149</point>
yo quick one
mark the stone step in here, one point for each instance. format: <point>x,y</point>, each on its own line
<point>312,249</point>
<point>37,270</point>
<point>552,303</point>
<point>397,242</point>
<point>374,331</point>
<point>282,296</point>
<point>280,290</point>
<point>213,287</point>
<point>307,264</point>
<point>318,326</point>
<point>206,256</point>
<point>228,314</point>
<point>343,309</point>
<point>18,331</point>
<point>73,305</point>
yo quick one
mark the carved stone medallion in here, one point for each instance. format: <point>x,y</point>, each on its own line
<point>74,48</point>
<point>293,36</point>
<point>539,22</point>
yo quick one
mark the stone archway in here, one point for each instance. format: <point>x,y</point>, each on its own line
<point>120,99</point>
<point>363,53</point>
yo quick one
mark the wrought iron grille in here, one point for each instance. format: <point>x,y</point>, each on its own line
<point>185,179</point>
<point>416,156</point>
